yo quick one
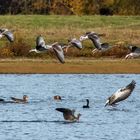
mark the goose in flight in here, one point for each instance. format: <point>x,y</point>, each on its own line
<point>135,52</point>
<point>17,100</point>
<point>41,47</point>
<point>121,94</point>
<point>69,114</point>
<point>94,37</point>
<point>87,105</point>
<point>8,34</point>
<point>72,43</point>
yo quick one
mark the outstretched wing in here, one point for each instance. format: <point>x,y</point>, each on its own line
<point>76,43</point>
<point>40,43</point>
<point>65,111</point>
<point>124,93</point>
<point>9,35</point>
<point>59,52</point>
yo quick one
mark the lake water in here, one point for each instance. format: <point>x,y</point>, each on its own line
<point>38,120</point>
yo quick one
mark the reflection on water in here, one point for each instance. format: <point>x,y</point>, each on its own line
<point>38,120</point>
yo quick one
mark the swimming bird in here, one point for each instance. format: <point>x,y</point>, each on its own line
<point>121,94</point>
<point>17,100</point>
<point>73,43</point>
<point>8,34</point>
<point>41,47</point>
<point>135,52</point>
<point>86,106</point>
<point>57,97</point>
<point>69,114</point>
<point>94,37</point>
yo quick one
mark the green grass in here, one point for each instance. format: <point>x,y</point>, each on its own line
<point>53,21</point>
<point>124,29</point>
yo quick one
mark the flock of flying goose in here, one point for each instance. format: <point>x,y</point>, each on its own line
<point>59,49</point>
<point>69,115</point>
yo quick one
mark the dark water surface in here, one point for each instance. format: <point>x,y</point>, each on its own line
<point>38,119</point>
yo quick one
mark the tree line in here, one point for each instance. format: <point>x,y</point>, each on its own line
<point>70,7</point>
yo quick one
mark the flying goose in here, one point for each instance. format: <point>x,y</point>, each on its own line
<point>24,100</point>
<point>41,47</point>
<point>121,94</point>
<point>87,105</point>
<point>94,37</point>
<point>135,52</point>
<point>72,43</point>
<point>8,34</point>
<point>69,114</point>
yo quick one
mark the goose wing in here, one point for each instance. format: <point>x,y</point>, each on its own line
<point>104,45</point>
<point>40,43</point>
<point>9,35</point>
<point>95,40</point>
<point>59,52</point>
<point>76,43</point>
<point>124,93</point>
<point>65,111</point>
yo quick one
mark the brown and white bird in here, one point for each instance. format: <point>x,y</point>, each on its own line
<point>121,94</point>
<point>69,114</point>
<point>17,100</point>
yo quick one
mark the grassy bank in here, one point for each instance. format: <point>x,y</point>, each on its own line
<point>118,29</point>
<point>82,65</point>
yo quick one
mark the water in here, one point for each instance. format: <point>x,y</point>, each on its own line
<point>38,120</point>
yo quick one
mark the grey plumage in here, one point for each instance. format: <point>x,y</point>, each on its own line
<point>76,43</point>
<point>8,34</point>
<point>95,38</point>
<point>121,94</point>
<point>72,43</point>
<point>41,47</point>
<point>135,52</point>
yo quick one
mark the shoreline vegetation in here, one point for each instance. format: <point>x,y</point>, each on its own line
<point>72,66</point>
<point>120,32</point>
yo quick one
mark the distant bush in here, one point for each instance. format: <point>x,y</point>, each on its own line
<point>6,52</point>
<point>20,48</point>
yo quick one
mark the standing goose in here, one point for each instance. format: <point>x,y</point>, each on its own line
<point>135,52</point>
<point>94,37</point>
<point>73,43</point>
<point>8,34</point>
<point>69,114</point>
<point>121,94</point>
<point>41,47</point>
<point>86,106</point>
